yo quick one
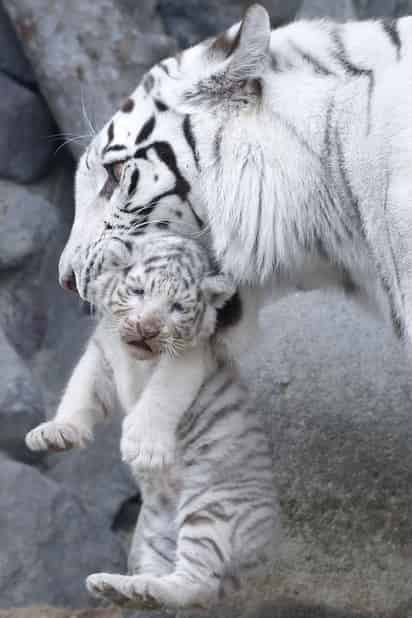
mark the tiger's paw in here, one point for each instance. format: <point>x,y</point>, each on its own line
<point>145,451</point>
<point>124,590</point>
<point>57,436</point>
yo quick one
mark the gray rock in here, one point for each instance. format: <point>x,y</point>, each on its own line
<point>26,127</point>
<point>12,59</point>
<point>21,403</point>
<point>26,224</point>
<point>336,387</point>
<point>49,541</point>
<point>382,8</point>
<point>340,10</point>
<point>191,21</point>
<point>284,608</point>
<point>23,307</point>
<point>86,55</point>
<point>143,14</point>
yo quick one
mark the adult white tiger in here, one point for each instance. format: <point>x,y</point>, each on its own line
<point>292,146</point>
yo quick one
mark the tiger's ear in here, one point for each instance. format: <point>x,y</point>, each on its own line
<point>251,45</point>
<point>218,289</point>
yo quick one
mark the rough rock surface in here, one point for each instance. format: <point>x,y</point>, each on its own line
<point>191,21</point>
<point>21,402</point>
<point>23,308</point>
<point>26,223</point>
<point>27,129</point>
<point>336,9</point>
<point>284,608</point>
<point>382,8</point>
<point>43,611</point>
<point>86,56</point>
<point>53,544</point>
<point>12,59</point>
<point>144,15</point>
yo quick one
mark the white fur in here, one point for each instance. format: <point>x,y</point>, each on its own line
<point>153,395</point>
<point>265,195</point>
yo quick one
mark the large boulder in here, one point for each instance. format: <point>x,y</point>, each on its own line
<point>12,59</point>
<point>49,541</point>
<point>87,57</point>
<point>27,225</point>
<point>27,129</point>
<point>21,402</point>
<point>335,385</point>
<point>23,307</point>
<point>191,21</point>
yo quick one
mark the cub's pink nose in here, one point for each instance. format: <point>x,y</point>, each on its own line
<point>149,328</point>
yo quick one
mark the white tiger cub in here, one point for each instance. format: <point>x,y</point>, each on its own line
<point>209,516</point>
<point>155,326</point>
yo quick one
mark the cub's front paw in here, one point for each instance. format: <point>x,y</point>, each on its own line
<point>57,436</point>
<point>144,451</point>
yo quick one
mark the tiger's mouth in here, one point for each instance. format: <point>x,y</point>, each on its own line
<point>142,348</point>
<point>140,345</point>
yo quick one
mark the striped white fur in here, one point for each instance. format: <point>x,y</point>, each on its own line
<point>198,449</point>
<point>292,148</point>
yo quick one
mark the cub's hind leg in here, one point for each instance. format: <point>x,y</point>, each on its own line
<point>153,548</point>
<point>195,581</point>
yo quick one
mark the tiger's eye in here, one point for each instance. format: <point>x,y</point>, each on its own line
<point>115,170</point>
<point>138,291</point>
<point>177,307</point>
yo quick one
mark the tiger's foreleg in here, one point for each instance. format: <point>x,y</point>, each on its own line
<point>80,408</point>
<point>149,431</point>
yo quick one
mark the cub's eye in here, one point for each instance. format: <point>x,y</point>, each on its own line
<point>138,291</point>
<point>114,171</point>
<point>177,307</point>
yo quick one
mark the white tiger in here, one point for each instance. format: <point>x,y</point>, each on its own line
<point>291,147</point>
<point>207,518</point>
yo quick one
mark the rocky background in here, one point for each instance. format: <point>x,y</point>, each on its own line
<point>333,383</point>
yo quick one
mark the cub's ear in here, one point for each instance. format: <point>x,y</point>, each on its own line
<point>251,45</point>
<point>218,289</point>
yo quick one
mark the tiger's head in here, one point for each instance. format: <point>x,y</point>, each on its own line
<point>159,292</point>
<point>158,162</point>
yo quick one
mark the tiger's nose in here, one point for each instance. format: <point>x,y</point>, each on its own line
<point>68,281</point>
<point>150,328</point>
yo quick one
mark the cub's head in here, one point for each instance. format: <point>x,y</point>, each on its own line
<point>145,168</point>
<point>159,293</point>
